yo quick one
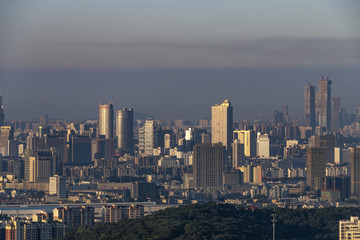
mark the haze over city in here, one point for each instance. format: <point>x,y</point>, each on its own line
<point>174,59</point>
<point>164,119</point>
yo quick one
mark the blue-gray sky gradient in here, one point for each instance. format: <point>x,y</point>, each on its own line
<point>174,58</point>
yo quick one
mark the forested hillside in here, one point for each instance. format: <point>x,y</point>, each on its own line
<point>221,221</point>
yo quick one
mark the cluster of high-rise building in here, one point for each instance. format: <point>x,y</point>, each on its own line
<point>321,109</point>
<point>119,158</point>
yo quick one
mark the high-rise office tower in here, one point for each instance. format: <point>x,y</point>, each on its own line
<point>222,124</point>
<point>310,106</point>
<point>147,137</point>
<point>335,112</point>
<point>208,161</point>
<point>124,128</point>
<point>2,114</point>
<point>101,148</point>
<point>167,141</point>
<point>328,142</point>
<point>323,103</point>
<point>315,164</point>
<point>57,186</point>
<point>79,150</point>
<point>106,120</point>
<point>263,145</point>
<point>248,138</point>
<point>237,154</point>
<point>39,166</point>
<point>355,171</point>
<point>285,111</point>
<point>6,140</point>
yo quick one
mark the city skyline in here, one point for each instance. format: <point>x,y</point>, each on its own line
<point>111,111</point>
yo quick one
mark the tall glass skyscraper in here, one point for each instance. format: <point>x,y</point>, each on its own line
<point>124,128</point>
<point>106,120</point>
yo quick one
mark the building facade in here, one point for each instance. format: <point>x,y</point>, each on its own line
<point>349,229</point>
<point>310,106</point>
<point>106,120</point>
<point>316,167</point>
<point>323,103</point>
<point>355,171</point>
<point>222,124</point>
<point>208,163</point>
<point>124,128</point>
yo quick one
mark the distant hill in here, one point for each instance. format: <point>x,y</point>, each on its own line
<point>222,221</point>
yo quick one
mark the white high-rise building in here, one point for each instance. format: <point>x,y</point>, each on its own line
<point>57,186</point>
<point>263,145</point>
<point>189,134</point>
<point>222,124</point>
<point>349,229</point>
<point>147,137</point>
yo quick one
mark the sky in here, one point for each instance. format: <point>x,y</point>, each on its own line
<point>174,59</point>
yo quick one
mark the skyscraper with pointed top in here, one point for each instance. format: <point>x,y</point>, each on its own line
<point>323,103</point>
<point>310,105</point>
<point>222,124</point>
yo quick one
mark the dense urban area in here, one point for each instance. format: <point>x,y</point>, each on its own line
<point>58,175</point>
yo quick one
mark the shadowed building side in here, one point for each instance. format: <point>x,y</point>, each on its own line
<point>208,163</point>
<point>316,167</point>
<point>124,129</point>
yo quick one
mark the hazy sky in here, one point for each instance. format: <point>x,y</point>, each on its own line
<point>174,58</point>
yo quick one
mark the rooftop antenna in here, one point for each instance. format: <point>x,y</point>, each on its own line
<point>322,76</point>
<point>328,76</point>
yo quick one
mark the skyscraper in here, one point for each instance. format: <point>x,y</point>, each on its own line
<point>263,145</point>
<point>106,120</point>
<point>208,164</point>
<point>237,154</point>
<point>335,112</point>
<point>323,103</point>
<point>124,128</point>
<point>355,171</point>
<point>147,137</point>
<point>310,106</point>
<point>248,138</point>
<point>328,142</point>
<point>39,166</point>
<point>222,124</point>
<point>57,186</point>
<point>315,164</point>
